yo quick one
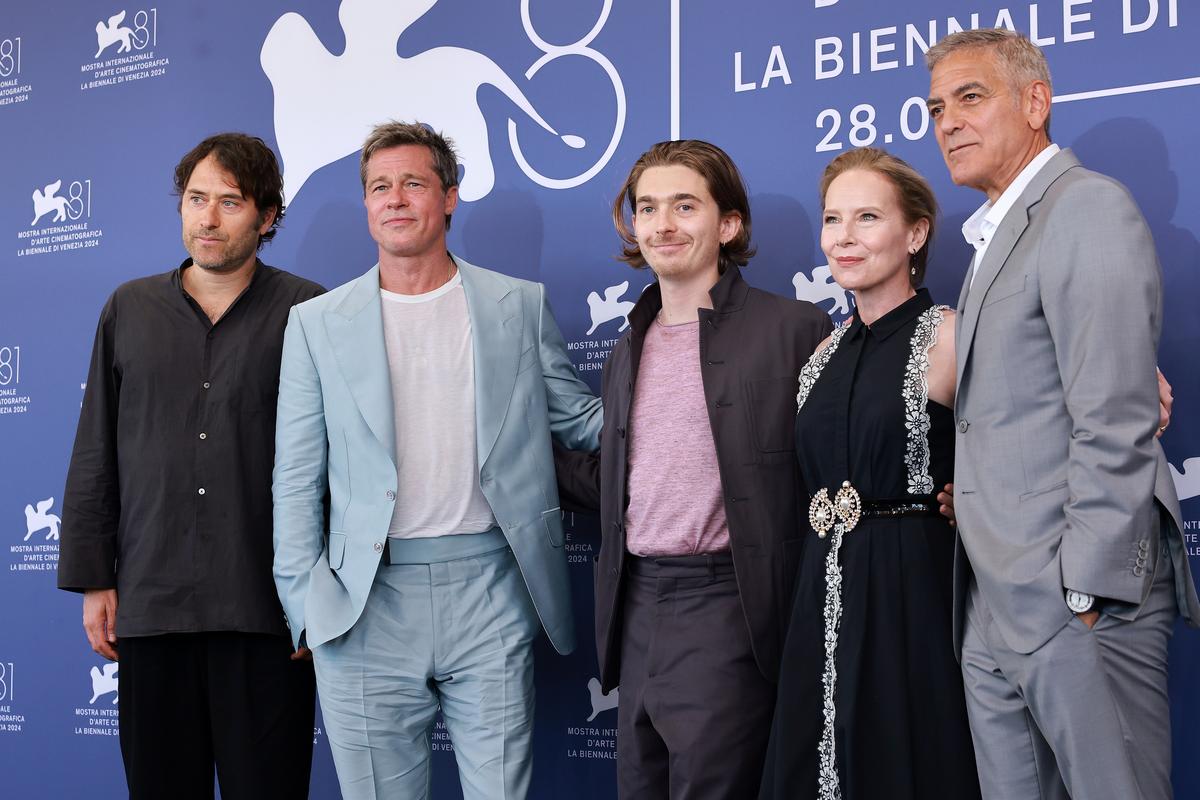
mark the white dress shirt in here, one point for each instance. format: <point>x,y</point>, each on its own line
<point>981,226</point>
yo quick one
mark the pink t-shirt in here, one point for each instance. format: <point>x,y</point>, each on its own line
<point>675,505</point>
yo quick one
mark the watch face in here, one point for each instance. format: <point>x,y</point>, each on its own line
<point>1079,602</point>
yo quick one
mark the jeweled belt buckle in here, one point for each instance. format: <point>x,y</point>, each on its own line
<point>845,507</point>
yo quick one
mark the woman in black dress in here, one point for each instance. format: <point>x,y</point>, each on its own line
<point>870,701</point>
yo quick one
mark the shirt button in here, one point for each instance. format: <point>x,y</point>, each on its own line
<point>200,490</point>
<point>391,495</point>
<point>963,425</point>
<point>379,547</point>
<point>207,385</point>
<point>204,436</point>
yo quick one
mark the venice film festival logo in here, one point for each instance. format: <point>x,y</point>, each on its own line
<point>41,526</point>
<point>100,717</point>
<point>601,702</point>
<point>610,307</point>
<point>47,199</point>
<point>61,219</point>
<point>136,36</point>
<point>1187,481</point>
<point>821,287</point>
<point>40,519</point>
<point>338,95</point>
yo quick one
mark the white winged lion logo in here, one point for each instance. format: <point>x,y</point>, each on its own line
<point>326,104</point>
<point>109,34</point>
<point>821,287</point>
<point>46,200</point>
<point>40,519</point>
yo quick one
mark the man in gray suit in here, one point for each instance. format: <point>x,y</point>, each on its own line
<point>1071,566</point>
<point>420,399</point>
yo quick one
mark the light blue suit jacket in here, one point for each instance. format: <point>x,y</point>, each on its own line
<point>335,434</point>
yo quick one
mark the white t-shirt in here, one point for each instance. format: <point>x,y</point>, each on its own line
<point>428,338</point>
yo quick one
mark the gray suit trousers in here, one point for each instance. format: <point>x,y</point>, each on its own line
<point>1085,715</point>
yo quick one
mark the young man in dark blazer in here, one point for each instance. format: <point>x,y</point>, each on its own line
<point>697,485</point>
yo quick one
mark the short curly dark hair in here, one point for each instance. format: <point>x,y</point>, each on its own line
<point>252,164</point>
<point>725,184</point>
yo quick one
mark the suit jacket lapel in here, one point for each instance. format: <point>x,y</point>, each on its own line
<point>355,329</point>
<point>998,251</point>
<point>496,326</point>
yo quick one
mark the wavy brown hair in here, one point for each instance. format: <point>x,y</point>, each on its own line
<point>724,182</point>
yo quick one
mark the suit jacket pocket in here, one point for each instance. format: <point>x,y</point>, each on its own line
<point>772,411</point>
<point>1043,490</point>
<point>337,549</point>
<point>1003,289</point>
<point>528,358</point>
<point>552,522</point>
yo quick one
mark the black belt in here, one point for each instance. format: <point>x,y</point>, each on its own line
<point>847,507</point>
<point>900,507</point>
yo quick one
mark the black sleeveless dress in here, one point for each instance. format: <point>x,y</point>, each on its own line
<point>870,700</point>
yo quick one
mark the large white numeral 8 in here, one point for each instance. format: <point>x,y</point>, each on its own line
<point>553,52</point>
<point>145,30</point>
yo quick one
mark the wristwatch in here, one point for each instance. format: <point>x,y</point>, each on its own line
<point>1079,602</point>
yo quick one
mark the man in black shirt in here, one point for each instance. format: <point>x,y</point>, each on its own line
<point>167,515</point>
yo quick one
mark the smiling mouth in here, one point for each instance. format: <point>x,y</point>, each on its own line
<point>848,261</point>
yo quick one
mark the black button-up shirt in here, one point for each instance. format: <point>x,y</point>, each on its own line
<point>168,497</point>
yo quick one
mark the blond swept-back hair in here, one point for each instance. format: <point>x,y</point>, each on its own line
<point>913,192</point>
<point>397,134</point>
<point>1019,60</point>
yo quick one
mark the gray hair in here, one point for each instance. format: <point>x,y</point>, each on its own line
<point>1019,60</point>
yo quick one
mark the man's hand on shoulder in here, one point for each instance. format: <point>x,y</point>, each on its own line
<point>100,621</point>
<point>302,654</point>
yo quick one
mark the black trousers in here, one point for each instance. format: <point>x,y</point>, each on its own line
<point>694,711</point>
<point>189,701</point>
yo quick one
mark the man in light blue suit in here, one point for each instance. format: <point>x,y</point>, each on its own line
<point>420,399</point>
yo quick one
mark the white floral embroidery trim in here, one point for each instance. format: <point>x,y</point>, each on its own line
<point>816,363</point>
<point>828,786</point>
<point>916,399</point>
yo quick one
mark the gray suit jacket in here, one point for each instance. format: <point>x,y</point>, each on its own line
<point>1058,477</point>
<point>335,434</point>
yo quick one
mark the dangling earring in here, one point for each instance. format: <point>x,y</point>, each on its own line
<point>912,260</point>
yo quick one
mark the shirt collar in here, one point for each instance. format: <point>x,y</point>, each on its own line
<point>260,270</point>
<point>895,319</point>
<point>980,226</point>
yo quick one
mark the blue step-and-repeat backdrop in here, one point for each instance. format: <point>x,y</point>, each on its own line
<point>549,102</point>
